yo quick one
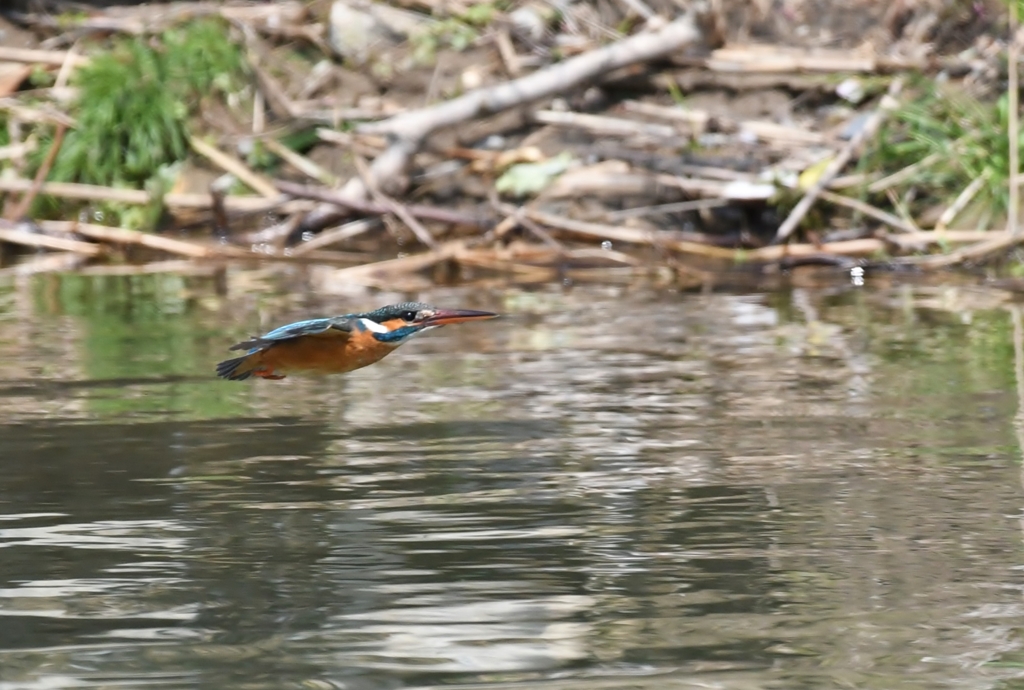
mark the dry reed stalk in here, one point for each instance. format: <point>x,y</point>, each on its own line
<point>19,150</point>
<point>605,125</point>
<point>869,128</point>
<point>920,238</point>
<point>339,234</point>
<point>868,210</point>
<point>964,198</point>
<point>35,115</point>
<point>998,241</point>
<point>301,163</point>
<point>903,175</point>
<point>440,215</point>
<point>55,58</point>
<point>170,245</point>
<point>774,58</point>
<point>74,190</point>
<point>615,233</point>
<point>61,244</point>
<point>232,165</point>
<point>378,273</point>
<point>20,209</point>
<point>393,206</point>
<point>674,207</point>
<point>861,247</point>
<point>176,266</point>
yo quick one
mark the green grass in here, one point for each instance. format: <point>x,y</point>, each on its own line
<point>135,101</point>
<point>968,137</point>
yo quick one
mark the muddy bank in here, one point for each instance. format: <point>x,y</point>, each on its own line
<point>422,142</point>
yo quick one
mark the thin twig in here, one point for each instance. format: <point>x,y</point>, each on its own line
<point>674,207</point>
<point>394,207</point>
<point>23,206</point>
<point>339,234</point>
<point>300,162</point>
<point>997,243</point>
<point>234,166</point>
<point>381,271</point>
<point>887,104</point>
<point>868,210</point>
<point>965,197</point>
<point>517,216</point>
<point>906,173</point>
<point>441,215</point>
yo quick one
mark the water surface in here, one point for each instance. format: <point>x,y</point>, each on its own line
<point>608,488</point>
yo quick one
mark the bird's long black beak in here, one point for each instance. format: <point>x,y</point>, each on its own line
<point>442,317</point>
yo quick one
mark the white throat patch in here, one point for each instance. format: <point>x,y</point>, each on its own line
<point>372,326</point>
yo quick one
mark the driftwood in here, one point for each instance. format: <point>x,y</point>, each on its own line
<point>408,130</point>
<point>630,189</point>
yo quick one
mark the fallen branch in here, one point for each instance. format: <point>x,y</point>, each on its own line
<point>409,129</point>
<point>415,125</point>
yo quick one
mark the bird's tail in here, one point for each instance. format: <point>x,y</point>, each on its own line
<point>239,368</point>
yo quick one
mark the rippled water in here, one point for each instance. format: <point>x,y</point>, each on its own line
<point>608,488</point>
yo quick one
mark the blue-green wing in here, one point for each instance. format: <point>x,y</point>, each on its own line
<point>322,328</point>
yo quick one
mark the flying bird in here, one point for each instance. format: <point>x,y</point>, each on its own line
<point>338,344</point>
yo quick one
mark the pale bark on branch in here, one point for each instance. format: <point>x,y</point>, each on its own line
<point>408,130</point>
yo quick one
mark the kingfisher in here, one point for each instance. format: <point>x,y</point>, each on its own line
<point>338,344</point>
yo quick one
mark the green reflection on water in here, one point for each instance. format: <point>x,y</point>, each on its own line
<point>142,327</point>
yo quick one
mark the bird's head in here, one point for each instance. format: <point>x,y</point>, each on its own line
<point>396,323</point>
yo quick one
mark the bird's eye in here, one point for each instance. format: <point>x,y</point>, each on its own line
<point>409,316</point>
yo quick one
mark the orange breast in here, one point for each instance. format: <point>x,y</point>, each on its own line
<point>325,355</point>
